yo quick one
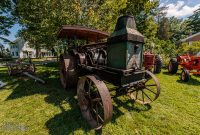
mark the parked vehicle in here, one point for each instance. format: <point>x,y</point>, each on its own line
<point>119,61</point>
<point>152,62</point>
<point>190,65</point>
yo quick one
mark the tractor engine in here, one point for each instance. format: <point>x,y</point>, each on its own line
<point>125,45</point>
<point>123,49</point>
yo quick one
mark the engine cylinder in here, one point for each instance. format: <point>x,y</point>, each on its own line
<point>125,45</point>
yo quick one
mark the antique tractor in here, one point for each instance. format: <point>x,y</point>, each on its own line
<point>152,62</point>
<point>189,64</point>
<point>19,67</point>
<point>118,61</point>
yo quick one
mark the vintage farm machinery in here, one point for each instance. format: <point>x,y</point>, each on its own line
<point>19,67</point>
<point>189,64</point>
<point>119,61</point>
<point>152,62</point>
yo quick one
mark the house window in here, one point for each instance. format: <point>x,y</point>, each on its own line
<point>13,54</point>
<point>17,54</point>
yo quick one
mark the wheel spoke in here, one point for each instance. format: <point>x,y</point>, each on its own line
<point>143,96</point>
<point>147,80</point>
<point>147,96</point>
<point>136,95</point>
<point>151,85</point>
<point>96,99</point>
<point>98,115</point>
<point>150,90</point>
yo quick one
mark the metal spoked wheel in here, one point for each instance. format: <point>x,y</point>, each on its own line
<point>32,68</point>
<point>94,101</point>
<point>147,91</point>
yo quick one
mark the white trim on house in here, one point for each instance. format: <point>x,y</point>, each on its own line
<point>186,39</point>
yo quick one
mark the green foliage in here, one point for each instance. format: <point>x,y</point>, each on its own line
<point>28,107</point>
<point>165,48</point>
<point>42,19</point>
<point>192,48</point>
<point>177,29</point>
<point>163,32</point>
<point>6,17</point>
<point>194,22</point>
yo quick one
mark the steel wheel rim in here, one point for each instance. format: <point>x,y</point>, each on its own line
<point>146,93</point>
<point>98,97</point>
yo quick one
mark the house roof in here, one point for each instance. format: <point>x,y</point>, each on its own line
<point>188,38</point>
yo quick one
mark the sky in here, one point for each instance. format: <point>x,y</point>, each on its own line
<point>180,8</point>
<point>177,8</point>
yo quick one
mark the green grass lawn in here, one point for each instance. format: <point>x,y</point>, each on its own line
<point>28,107</point>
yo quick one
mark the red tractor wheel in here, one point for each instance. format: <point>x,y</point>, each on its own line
<point>185,75</point>
<point>173,66</point>
<point>68,73</point>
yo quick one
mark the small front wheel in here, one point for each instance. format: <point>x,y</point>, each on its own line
<point>146,91</point>
<point>185,75</point>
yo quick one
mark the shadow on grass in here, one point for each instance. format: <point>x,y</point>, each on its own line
<point>167,73</point>
<point>191,81</point>
<point>69,120</point>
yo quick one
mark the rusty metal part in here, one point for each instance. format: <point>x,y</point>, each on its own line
<point>147,91</point>
<point>9,70</point>
<point>94,101</point>
<point>20,67</point>
<point>34,77</point>
<point>68,73</point>
<point>81,58</point>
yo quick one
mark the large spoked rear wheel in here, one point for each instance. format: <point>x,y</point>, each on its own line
<point>68,73</point>
<point>94,101</point>
<point>146,91</point>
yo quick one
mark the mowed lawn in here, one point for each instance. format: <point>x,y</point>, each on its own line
<point>27,107</point>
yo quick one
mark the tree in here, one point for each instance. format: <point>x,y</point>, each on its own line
<point>194,22</point>
<point>164,28</point>
<point>42,19</point>
<point>6,18</point>
<point>191,49</point>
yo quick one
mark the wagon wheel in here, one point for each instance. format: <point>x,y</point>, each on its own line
<point>68,73</point>
<point>9,70</point>
<point>32,68</point>
<point>146,91</point>
<point>94,101</point>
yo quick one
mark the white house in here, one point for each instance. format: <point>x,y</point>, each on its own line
<point>21,49</point>
<point>192,38</point>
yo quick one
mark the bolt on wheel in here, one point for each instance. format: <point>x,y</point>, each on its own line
<point>94,101</point>
<point>146,91</point>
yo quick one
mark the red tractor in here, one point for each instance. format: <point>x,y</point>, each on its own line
<point>189,64</point>
<point>152,62</point>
